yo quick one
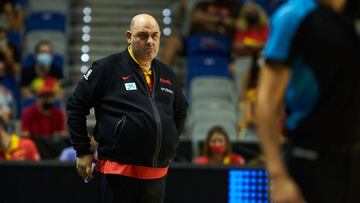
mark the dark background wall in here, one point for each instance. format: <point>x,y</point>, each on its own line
<point>50,181</point>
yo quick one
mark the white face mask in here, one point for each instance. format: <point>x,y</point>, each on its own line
<point>3,43</point>
<point>44,59</point>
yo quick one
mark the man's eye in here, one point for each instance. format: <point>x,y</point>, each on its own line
<point>143,36</point>
<point>155,37</point>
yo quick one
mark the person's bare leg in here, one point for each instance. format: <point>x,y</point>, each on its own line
<point>173,46</point>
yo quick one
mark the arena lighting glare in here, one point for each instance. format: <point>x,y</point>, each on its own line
<point>86,29</point>
<point>167,20</point>
<point>87,11</point>
<point>166,12</point>
<point>167,31</point>
<point>86,37</point>
<point>87,19</point>
<point>84,69</point>
<point>85,49</point>
<point>85,57</point>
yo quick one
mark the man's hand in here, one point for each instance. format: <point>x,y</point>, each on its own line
<point>84,166</point>
<point>285,190</point>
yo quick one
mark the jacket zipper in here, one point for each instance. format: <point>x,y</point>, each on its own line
<point>157,120</point>
<point>159,133</point>
<point>122,122</point>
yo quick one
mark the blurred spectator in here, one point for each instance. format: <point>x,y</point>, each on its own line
<point>13,147</point>
<point>251,29</point>
<point>43,119</point>
<point>8,80</point>
<point>9,53</point>
<point>217,149</point>
<point>11,15</point>
<point>247,127</point>
<point>69,154</point>
<point>6,103</point>
<point>42,67</point>
<point>217,16</point>
<point>247,103</point>
<point>175,43</point>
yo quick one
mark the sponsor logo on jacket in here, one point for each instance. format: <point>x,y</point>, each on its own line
<point>130,86</point>
<point>164,81</point>
<point>167,90</point>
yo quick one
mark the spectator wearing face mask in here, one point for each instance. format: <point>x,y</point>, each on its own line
<point>43,119</point>
<point>43,67</point>
<point>251,29</point>
<point>217,149</point>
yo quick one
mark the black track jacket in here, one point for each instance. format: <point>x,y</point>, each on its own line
<point>132,125</point>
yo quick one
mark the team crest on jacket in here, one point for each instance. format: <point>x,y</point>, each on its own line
<point>130,86</point>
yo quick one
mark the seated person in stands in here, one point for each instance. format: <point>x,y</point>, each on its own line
<point>247,124</point>
<point>11,16</point>
<point>13,147</point>
<point>217,149</point>
<point>43,119</point>
<point>7,78</point>
<point>43,67</point>
<point>252,29</point>
<point>9,53</point>
<point>216,16</point>
<point>69,154</point>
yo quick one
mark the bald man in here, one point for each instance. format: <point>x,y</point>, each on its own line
<point>140,113</point>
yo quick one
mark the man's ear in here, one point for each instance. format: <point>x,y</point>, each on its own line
<point>128,36</point>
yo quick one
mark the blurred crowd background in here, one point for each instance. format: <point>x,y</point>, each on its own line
<point>215,47</point>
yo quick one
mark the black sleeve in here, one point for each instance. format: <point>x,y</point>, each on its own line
<point>85,96</point>
<point>180,110</point>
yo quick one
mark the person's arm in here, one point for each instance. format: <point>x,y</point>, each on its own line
<point>84,97</point>
<point>273,83</point>
<point>32,152</point>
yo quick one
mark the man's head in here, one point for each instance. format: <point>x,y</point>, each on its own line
<point>143,37</point>
<point>44,53</point>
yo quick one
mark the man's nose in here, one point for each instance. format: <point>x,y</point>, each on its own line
<point>149,41</point>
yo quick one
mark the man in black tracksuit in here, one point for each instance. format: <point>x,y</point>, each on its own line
<point>140,112</point>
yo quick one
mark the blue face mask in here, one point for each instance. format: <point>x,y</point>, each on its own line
<point>44,59</point>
